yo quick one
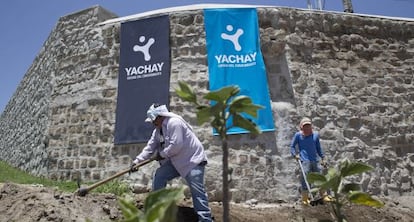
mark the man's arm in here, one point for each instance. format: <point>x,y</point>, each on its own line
<point>293,144</point>
<point>318,146</point>
<point>149,149</point>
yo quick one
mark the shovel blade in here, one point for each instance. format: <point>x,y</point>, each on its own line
<point>317,202</point>
<point>82,191</point>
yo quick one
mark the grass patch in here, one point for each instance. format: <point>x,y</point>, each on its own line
<point>14,175</point>
<point>116,187</point>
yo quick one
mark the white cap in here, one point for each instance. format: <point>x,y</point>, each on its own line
<point>305,121</point>
<point>153,112</point>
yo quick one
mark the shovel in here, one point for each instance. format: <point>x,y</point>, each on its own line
<point>313,202</point>
<point>82,191</point>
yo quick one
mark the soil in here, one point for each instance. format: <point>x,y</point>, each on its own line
<point>35,203</point>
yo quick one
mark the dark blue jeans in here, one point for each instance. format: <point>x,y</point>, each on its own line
<point>194,179</point>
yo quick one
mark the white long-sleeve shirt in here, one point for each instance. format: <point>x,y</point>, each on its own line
<point>181,146</point>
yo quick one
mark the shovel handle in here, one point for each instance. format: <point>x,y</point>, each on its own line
<point>83,191</point>
<point>304,177</point>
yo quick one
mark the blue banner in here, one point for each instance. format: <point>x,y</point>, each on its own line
<point>234,58</point>
<point>144,76</point>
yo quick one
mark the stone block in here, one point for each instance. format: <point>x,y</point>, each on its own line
<point>92,163</point>
<point>243,159</point>
<point>96,176</point>
<point>83,163</point>
<point>69,165</point>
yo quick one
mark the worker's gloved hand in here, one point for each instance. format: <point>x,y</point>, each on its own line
<point>133,167</point>
<point>297,157</point>
<point>324,163</point>
<point>156,156</point>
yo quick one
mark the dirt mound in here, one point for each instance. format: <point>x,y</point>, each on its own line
<point>35,203</point>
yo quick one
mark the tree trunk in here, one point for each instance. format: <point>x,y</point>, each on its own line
<point>226,207</point>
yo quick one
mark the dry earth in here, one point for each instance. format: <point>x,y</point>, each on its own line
<point>33,203</point>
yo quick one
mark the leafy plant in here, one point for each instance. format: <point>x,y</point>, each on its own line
<point>344,192</point>
<point>226,105</point>
<point>158,206</point>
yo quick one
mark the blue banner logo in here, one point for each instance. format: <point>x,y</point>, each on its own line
<point>234,58</point>
<point>144,76</point>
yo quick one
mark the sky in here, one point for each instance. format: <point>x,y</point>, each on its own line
<point>26,24</point>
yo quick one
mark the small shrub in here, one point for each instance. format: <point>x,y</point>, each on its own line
<point>344,193</point>
<point>219,107</point>
<point>160,205</point>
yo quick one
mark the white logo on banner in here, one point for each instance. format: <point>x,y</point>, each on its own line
<point>233,38</point>
<point>235,60</point>
<point>148,70</point>
<point>144,48</point>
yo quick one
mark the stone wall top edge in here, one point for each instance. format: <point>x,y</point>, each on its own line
<point>106,14</point>
<point>182,9</point>
<point>199,7</point>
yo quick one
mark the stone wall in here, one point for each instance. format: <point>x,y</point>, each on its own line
<point>353,75</point>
